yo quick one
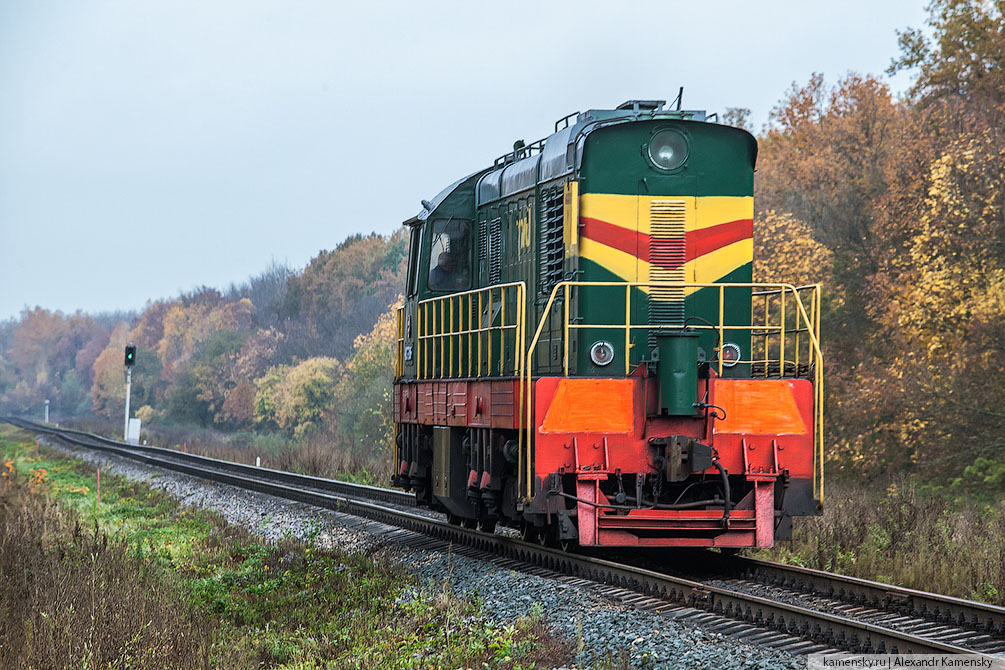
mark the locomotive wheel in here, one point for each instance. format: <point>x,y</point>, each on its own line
<point>487,526</point>
<point>548,537</point>
<point>470,523</point>
<point>528,531</point>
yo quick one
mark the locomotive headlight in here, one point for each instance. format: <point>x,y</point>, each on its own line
<point>730,354</point>
<point>601,353</point>
<point>668,149</point>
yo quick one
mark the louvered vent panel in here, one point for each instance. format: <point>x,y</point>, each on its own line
<point>667,220</point>
<point>551,245</point>
<point>495,250</point>
<point>483,240</point>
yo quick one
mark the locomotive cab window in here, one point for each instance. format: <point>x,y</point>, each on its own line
<point>414,238</point>
<point>449,255</point>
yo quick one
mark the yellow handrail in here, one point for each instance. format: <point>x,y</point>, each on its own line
<point>452,325</point>
<point>804,324</point>
<point>433,341</point>
<point>399,358</point>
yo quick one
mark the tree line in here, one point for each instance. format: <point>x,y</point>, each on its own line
<point>296,352</point>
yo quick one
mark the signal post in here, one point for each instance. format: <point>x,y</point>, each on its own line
<point>130,361</point>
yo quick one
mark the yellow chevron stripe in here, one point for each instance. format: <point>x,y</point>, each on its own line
<point>704,270</point>
<point>619,210</point>
<point>624,266</point>
<point>717,264</point>
<point>713,210</point>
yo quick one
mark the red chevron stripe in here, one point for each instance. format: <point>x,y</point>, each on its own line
<point>697,242</point>
<point>707,240</point>
<point>616,237</point>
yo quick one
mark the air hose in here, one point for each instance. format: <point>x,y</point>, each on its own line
<point>725,486</point>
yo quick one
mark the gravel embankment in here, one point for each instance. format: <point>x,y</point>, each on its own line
<point>606,629</point>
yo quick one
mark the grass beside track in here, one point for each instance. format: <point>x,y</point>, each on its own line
<point>139,581</point>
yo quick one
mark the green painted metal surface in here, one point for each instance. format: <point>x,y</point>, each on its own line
<point>720,161</point>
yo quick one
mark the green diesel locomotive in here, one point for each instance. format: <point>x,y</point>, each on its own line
<point>583,354</point>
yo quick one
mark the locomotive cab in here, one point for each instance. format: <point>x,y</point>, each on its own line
<point>583,354</point>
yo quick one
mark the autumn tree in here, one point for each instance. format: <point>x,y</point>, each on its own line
<point>963,63</point>
<point>200,390</point>
<point>340,295</point>
<point>363,397</point>
<point>189,323</point>
<point>785,251</point>
<point>738,117</point>
<point>256,355</point>
<point>296,398</point>
<point>265,290</point>
<point>950,317</point>
<point>824,159</point>
<point>39,347</point>
<point>108,388</point>
<point>44,360</point>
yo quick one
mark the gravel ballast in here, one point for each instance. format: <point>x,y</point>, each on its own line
<point>602,628</point>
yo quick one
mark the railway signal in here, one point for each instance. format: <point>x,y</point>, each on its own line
<point>130,361</point>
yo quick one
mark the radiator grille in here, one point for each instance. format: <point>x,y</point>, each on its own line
<point>667,219</point>
<point>552,249</point>
<point>489,248</point>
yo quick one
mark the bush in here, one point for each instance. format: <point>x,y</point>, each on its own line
<point>72,597</point>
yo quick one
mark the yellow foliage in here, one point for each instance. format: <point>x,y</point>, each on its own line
<point>145,414</point>
<point>108,389</point>
<point>188,326</point>
<point>297,397</point>
<point>785,252</point>
<point>364,394</point>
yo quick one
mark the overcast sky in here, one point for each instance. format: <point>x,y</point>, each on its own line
<point>147,148</point>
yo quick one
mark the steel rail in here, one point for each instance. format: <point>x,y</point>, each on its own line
<point>957,612</point>
<point>830,629</point>
<point>320,483</point>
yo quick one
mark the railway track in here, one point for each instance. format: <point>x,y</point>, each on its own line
<point>977,626</point>
<point>780,606</point>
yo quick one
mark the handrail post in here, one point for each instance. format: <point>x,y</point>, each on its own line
<point>767,333</point>
<point>565,332</point>
<point>722,318</point>
<point>420,364</point>
<point>796,336</point>
<point>525,369</point>
<point>781,345</point>
<point>523,462</point>
<point>502,330</point>
<point>488,333</point>
<point>480,334</point>
<point>470,332</point>
<point>522,291</point>
<point>628,327</point>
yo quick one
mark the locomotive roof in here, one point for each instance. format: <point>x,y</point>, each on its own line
<point>430,206</point>
<point>549,157</point>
